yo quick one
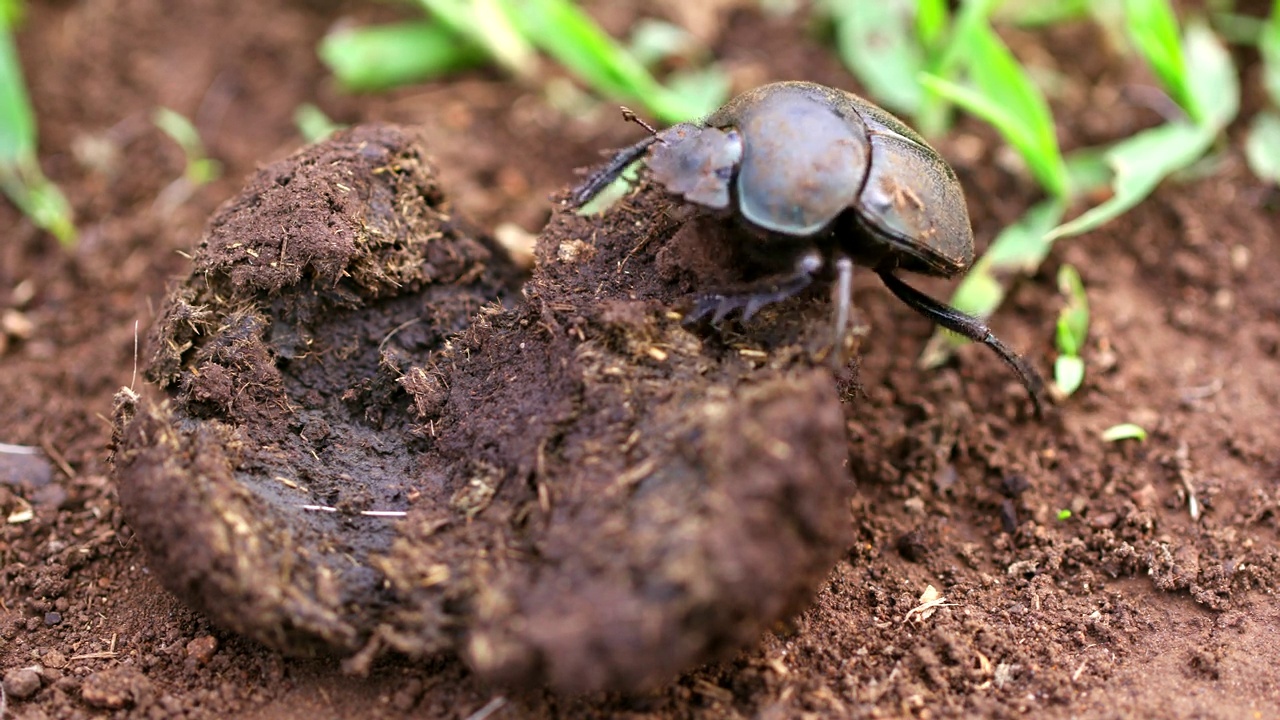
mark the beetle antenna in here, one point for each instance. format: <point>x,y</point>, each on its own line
<point>629,115</point>
<point>970,327</point>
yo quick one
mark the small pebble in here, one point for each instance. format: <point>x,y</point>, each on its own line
<point>52,618</point>
<point>54,659</point>
<point>21,683</point>
<point>202,649</point>
<point>114,688</point>
<point>16,324</point>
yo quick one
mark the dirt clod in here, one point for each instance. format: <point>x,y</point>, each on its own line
<point>596,497</point>
<point>116,688</point>
<point>21,683</point>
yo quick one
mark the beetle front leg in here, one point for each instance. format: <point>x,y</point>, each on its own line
<point>751,299</point>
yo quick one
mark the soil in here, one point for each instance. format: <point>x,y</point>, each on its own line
<point>607,513</point>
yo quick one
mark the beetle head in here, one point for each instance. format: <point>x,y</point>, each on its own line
<point>696,162</point>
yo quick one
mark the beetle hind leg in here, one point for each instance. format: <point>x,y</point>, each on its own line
<point>970,327</point>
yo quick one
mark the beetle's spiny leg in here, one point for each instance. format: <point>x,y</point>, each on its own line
<point>600,179</point>
<point>750,300</point>
<point>842,299</point>
<point>970,327</point>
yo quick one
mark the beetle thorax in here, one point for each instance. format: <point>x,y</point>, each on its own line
<point>802,164</point>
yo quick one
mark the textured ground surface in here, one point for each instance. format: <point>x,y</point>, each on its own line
<point>1129,608</point>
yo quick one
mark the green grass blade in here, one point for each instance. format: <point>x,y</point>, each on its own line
<point>11,12</point>
<point>1124,431</point>
<point>200,168</point>
<point>694,86</point>
<point>38,199</point>
<point>1006,98</point>
<point>180,130</point>
<point>952,54</point>
<point>570,36</point>
<point>1019,248</point>
<point>1269,47</point>
<point>1141,161</point>
<point>999,75</point>
<point>1212,80</point>
<point>932,17</point>
<point>17,121</point>
<point>21,178</point>
<point>653,41</point>
<point>1236,29</point>
<point>491,25</point>
<point>313,124</point>
<point>933,26</point>
<point>1073,321</point>
<point>1153,28</point>
<point>1041,13</point>
<point>879,44</point>
<point>1262,146</point>
<point>1068,374</point>
<point>385,56</point>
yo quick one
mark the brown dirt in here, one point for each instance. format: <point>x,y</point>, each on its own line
<point>533,538</point>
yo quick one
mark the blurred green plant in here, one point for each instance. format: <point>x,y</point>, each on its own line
<point>1262,146</point>
<point>21,178</point>
<point>514,35</point>
<point>888,44</point>
<point>200,168</point>
<point>1124,431</point>
<point>386,56</point>
<point>1073,332</point>
<point>11,12</point>
<point>920,60</point>
<point>313,124</point>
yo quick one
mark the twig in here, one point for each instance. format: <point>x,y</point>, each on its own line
<point>489,708</point>
<point>1182,463</point>
<point>102,655</point>
<point>134,379</point>
<point>110,652</point>
<point>382,346</point>
<point>366,513</point>
<point>58,459</point>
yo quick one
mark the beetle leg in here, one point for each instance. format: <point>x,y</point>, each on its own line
<point>601,178</point>
<point>970,327</point>
<point>750,301</point>
<point>842,300</point>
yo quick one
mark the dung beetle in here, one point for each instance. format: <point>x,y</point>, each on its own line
<point>821,176</point>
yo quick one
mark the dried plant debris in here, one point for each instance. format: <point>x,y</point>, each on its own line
<point>595,496</point>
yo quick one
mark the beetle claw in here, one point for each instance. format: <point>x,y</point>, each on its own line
<point>754,303</point>
<point>724,306</point>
